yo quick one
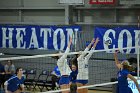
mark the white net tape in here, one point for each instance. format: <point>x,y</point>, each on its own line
<point>58,54</point>
<point>88,86</point>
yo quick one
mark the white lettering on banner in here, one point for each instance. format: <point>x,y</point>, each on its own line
<point>121,39</point>
<point>20,37</point>
<point>4,37</point>
<point>7,38</point>
<point>33,39</point>
<point>47,32</point>
<point>129,40</point>
<point>62,38</point>
<point>9,35</point>
<point>137,38</point>
<point>70,33</point>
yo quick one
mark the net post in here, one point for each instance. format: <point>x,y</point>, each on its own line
<point>138,63</point>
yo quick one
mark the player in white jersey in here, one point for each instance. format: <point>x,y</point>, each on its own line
<point>82,77</point>
<point>64,69</point>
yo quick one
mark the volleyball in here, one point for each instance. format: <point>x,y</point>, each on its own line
<point>108,41</point>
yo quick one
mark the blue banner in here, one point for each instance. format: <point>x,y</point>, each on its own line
<point>39,37</point>
<point>118,37</point>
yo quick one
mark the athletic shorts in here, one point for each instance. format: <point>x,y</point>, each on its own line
<point>124,90</point>
<point>82,81</point>
<point>64,80</point>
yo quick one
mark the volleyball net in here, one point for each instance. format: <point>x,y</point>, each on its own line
<point>101,67</point>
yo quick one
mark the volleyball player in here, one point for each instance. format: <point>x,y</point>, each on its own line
<point>15,84</point>
<point>73,74</point>
<point>55,77</point>
<point>64,69</point>
<point>123,74</point>
<point>82,77</point>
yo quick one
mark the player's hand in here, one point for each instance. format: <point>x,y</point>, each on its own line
<point>97,40</point>
<point>93,40</point>
<point>116,52</point>
<point>70,40</point>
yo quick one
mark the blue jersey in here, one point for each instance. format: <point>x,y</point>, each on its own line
<point>73,76</point>
<point>57,71</point>
<point>14,83</point>
<point>123,82</point>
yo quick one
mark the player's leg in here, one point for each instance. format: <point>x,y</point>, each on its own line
<point>64,83</point>
<point>80,90</point>
<point>64,86</point>
<point>85,89</point>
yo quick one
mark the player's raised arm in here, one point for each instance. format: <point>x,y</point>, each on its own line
<point>70,42</point>
<point>117,63</point>
<point>96,41</point>
<point>93,47</point>
<point>87,48</point>
<point>67,51</point>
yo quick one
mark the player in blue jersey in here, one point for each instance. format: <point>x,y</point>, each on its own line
<point>64,69</point>
<point>123,74</point>
<point>55,77</point>
<point>73,74</point>
<point>82,77</point>
<point>15,84</point>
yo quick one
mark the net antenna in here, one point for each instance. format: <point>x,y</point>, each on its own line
<point>71,2</point>
<point>138,63</point>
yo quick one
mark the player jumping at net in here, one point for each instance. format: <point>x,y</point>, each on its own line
<point>15,84</point>
<point>123,74</point>
<point>73,74</point>
<point>82,77</point>
<point>64,69</point>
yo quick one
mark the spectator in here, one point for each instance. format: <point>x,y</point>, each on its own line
<point>2,72</point>
<point>9,69</point>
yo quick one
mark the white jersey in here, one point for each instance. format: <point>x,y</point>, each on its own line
<point>83,64</point>
<point>63,65</point>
